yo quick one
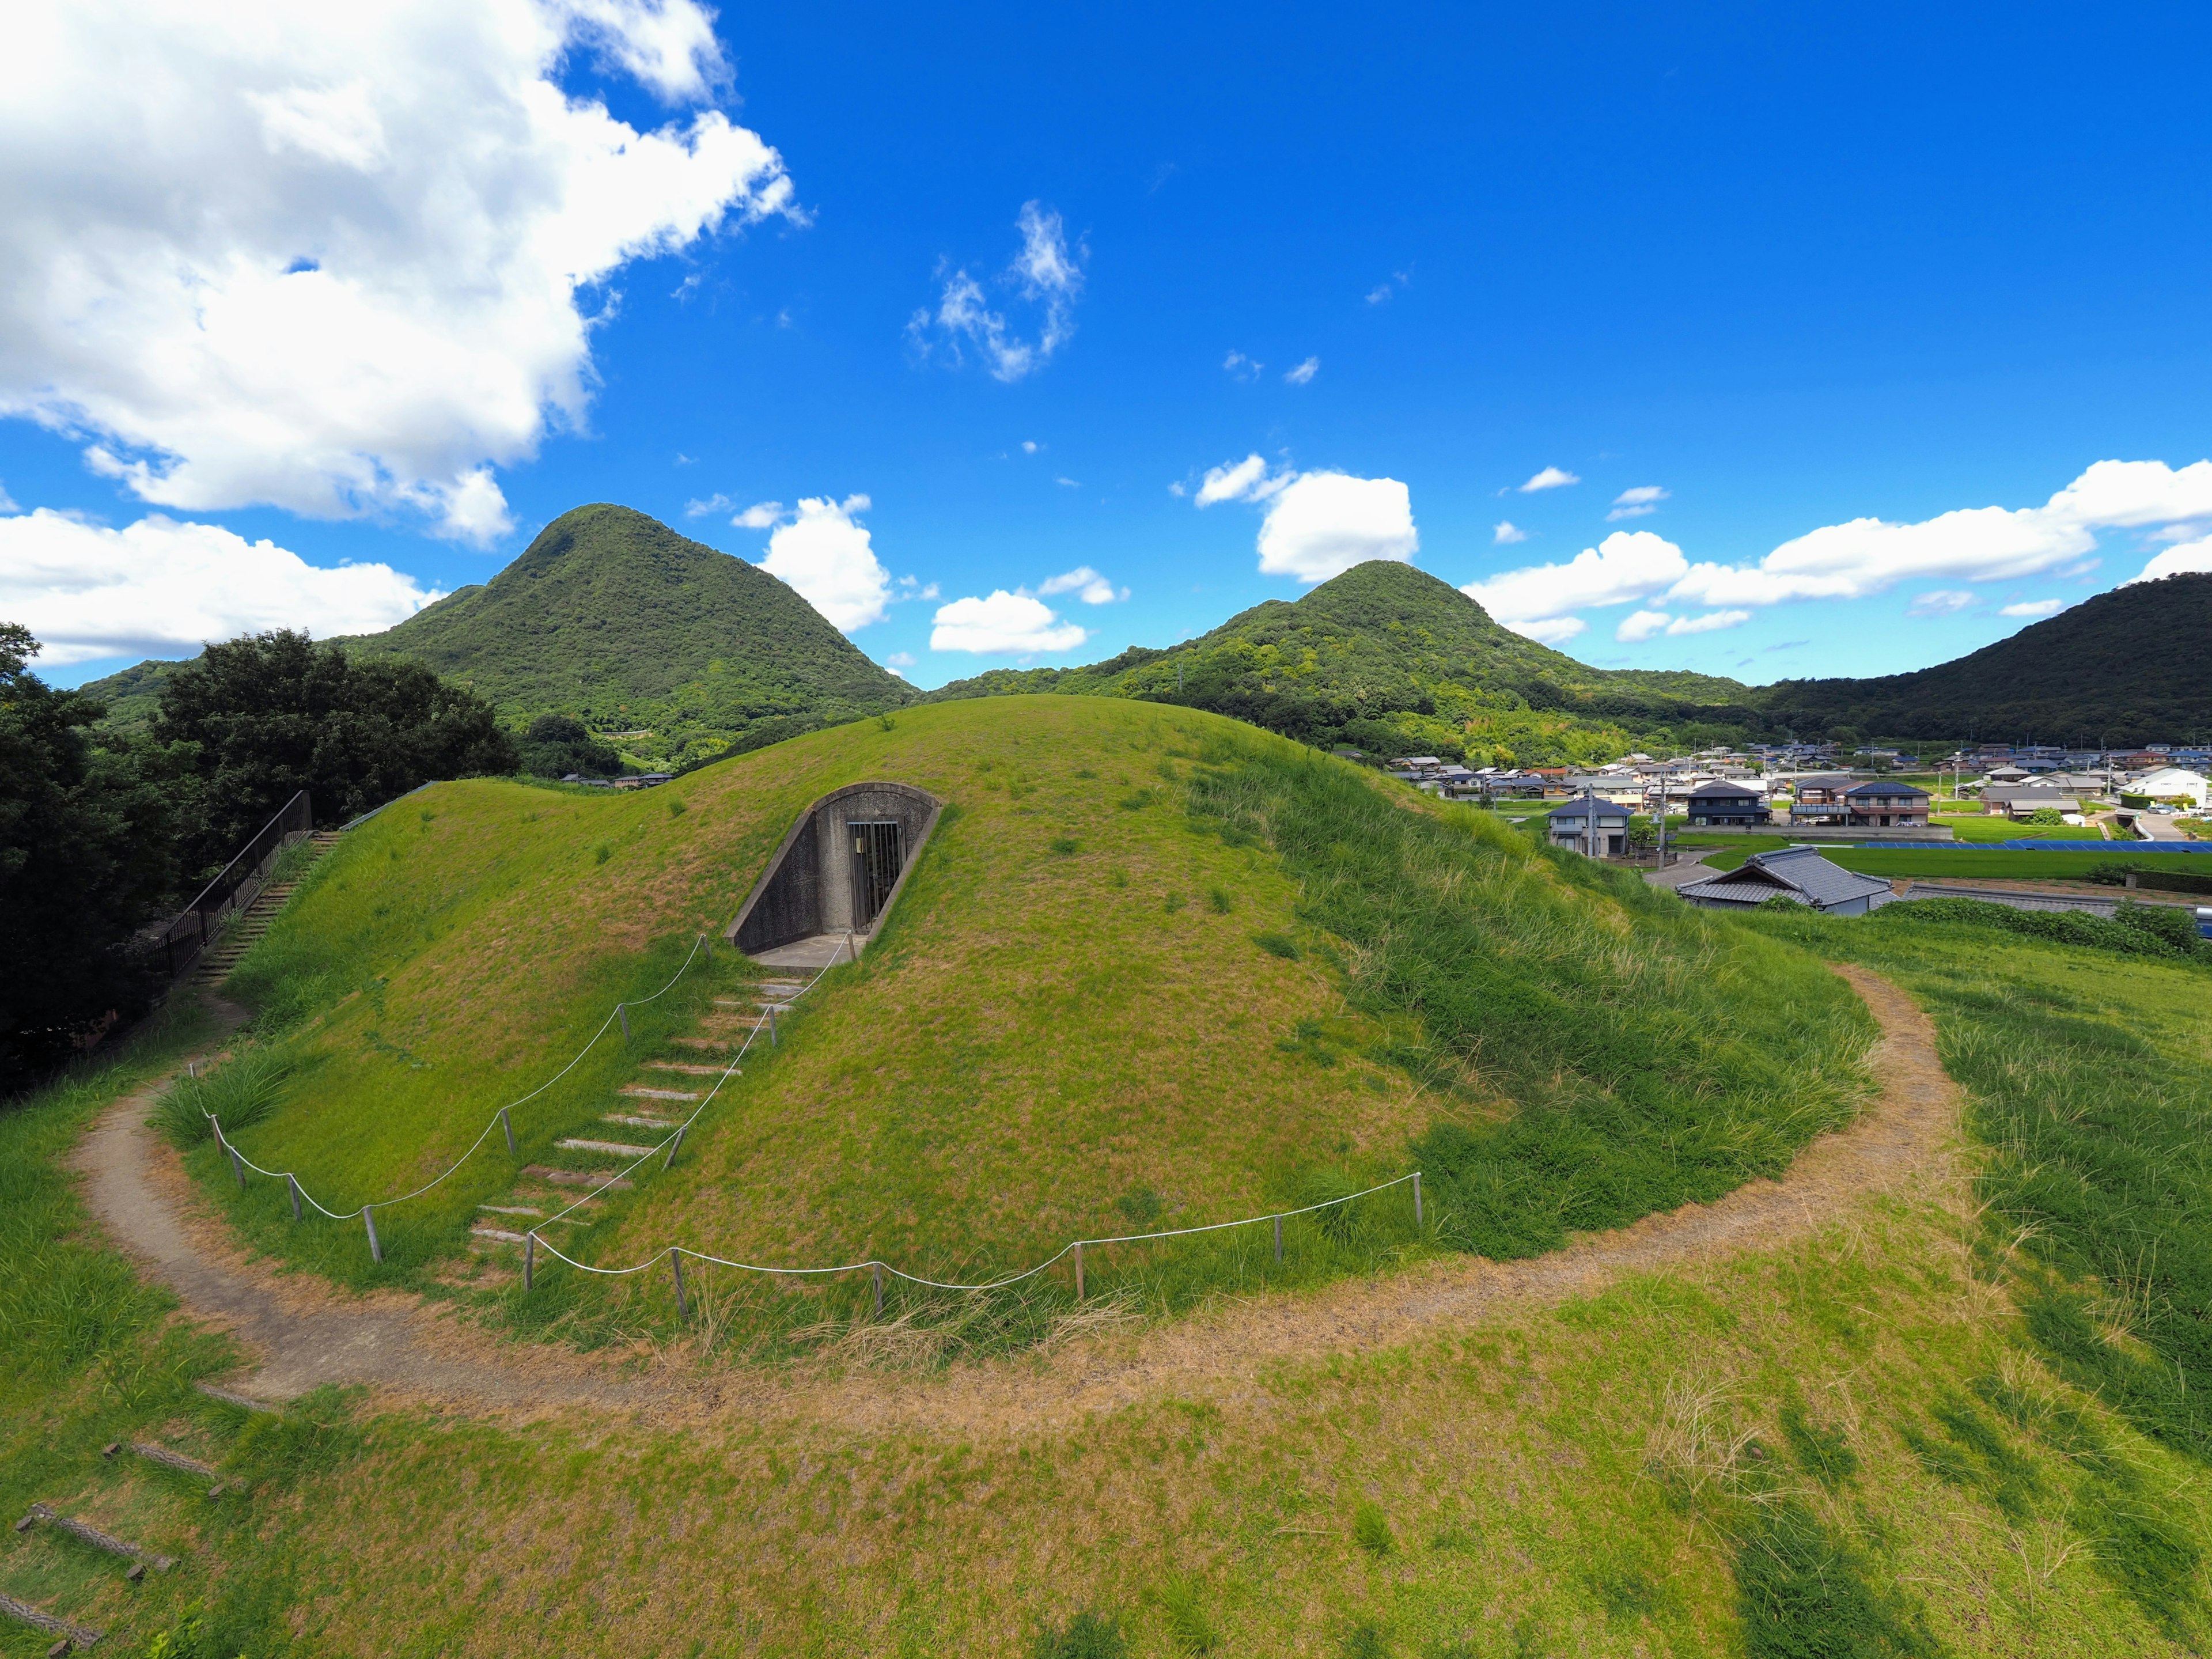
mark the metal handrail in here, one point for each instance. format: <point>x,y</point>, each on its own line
<point>187,935</point>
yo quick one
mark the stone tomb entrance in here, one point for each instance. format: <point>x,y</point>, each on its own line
<point>836,874</point>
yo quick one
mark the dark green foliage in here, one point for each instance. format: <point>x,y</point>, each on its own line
<point>1802,1594</point>
<point>2139,930</point>
<point>612,617</point>
<point>86,858</point>
<point>2161,875</point>
<point>1624,1593</point>
<point>1277,945</point>
<point>1063,845</point>
<point>1087,1636</point>
<point>270,714</point>
<point>1634,1096</point>
<point>1365,1640</point>
<point>2125,667</point>
<point>1142,1207</point>
<point>240,1093</point>
<point>556,745</point>
<point>1371,1528</point>
<point>1822,1451</point>
<point>1219,902</point>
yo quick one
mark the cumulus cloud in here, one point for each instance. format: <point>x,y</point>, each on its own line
<point>761,514</point>
<point>1552,477</point>
<point>1304,374</point>
<point>1086,584</point>
<point>827,557</point>
<point>1003,625</point>
<point>1942,602</point>
<point>1320,524</point>
<point>2033,608</point>
<point>1641,625</point>
<point>1549,630</point>
<point>1637,502</point>
<point>1711,623</point>
<point>1044,274</point>
<point>164,588</point>
<point>1984,544</point>
<point>1629,564</point>
<point>332,258</point>
<point>1242,368</point>
<point>1028,446</point>
<point>2179,560</point>
<point>700,507</point>
<point>1507,533</point>
<point>1648,624</point>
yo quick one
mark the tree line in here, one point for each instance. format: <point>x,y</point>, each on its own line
<point>104,833</point>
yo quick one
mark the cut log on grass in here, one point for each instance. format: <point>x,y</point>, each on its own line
<point>73,1636</point>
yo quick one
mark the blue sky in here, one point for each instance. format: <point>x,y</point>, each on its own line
<point>1786,268</point>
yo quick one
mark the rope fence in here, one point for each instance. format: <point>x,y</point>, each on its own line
<point>675,1255</point>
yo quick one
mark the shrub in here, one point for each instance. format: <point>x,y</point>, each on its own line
<point>2131,934</point>
<point>239,1092</point>
<point>1277,945</point>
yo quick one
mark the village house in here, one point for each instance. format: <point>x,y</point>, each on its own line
<point>1591,825</point>
<point>1885,806</point>
<point>1724,803</point>
<point>1799,874</point>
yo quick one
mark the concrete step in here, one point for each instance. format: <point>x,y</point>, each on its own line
<point>612,1148</point>
<point>637,1092</point>
<point>710,1044</point>
<point>508,1209</point>
<point>679,1066</point>
<point>642,1123</point>
<point>496,1233</point>
<point>573,1178</point>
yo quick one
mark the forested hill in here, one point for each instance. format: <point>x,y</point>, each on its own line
<point>613,617</point>
<point>2126,667</point>
<point>1389,658</point>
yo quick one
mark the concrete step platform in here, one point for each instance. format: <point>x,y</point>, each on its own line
<point>575,1178</point>
<point>638,1091</point>
<point>689,1070</point>
<point>611,1148</point>
<point>642,1123</point>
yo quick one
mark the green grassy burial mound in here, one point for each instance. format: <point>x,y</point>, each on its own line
<point>1153,969</point>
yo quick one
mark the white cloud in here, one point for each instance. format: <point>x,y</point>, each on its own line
<point>1641,625</point>
<point>329,257</point>
<point>1242,367</point>
<point>1044,273</point>
<point>1069,483</point>
<point>1636,503</point>
<point>759,516</point>
<point>1942,602</point>
<point>1629,564</point>
<point>1003,625</point>
<point>1984,543</point>
<point>1321,524</point>
<point>2033,608</point>
<point>911,587</point>
<point>1549,630</point>
<point>1086,584</point>
<point>1711,623</point>
<point>899,661</point>
<point>1379,295</point>
<point>1507,533</point>
<point>163,588</point>
<point>1235,481</point>
<point>1028,446</point>
<point>2176,562</point>
<point>1552,477</point>
<point>827,558</point>
<point>1304,374</point>
<point>701,506</point>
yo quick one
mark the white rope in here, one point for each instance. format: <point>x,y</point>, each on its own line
<point>659,1255</point>
<point>697,944</point>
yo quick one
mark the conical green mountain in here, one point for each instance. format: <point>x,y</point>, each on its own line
<point>2126,667</point>
<point>1389,658</point>
<point>612,617</point>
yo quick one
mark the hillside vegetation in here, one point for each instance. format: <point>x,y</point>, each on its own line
<point>2122,668</point>
<point>612,618</point>
<point>1392,660</point>
<point>1154,969</point>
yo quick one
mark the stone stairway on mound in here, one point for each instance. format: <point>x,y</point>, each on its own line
<point>245,928</point>
<point>641,1117</point>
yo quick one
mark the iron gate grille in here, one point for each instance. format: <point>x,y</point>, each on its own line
<point>879,852</point>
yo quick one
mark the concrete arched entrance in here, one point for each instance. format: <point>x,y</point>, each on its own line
<point>837,872</point>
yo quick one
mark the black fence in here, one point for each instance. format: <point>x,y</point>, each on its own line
<point>177,945</point>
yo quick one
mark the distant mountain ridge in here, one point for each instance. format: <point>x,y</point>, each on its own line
<point>2126,667</point>
<point>1389,658</point>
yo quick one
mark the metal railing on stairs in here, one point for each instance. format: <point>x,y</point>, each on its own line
<point>178,942</point>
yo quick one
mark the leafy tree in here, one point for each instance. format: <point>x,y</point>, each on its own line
<point>556,745</point>
<point>2047,815</point>
<point>86,858</point>
<point>269,715</point>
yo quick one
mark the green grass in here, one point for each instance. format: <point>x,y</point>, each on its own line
<point>1934,862</point>
<point>1852,1444</point>
<point>1381,982</point>
<point>1978,827</point>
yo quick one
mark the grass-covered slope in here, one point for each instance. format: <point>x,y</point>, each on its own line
<point>1391,660</point>
<point>1153,967</point>
<point>2125,667</point>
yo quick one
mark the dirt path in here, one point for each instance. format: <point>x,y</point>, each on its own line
<point>307,1335</point>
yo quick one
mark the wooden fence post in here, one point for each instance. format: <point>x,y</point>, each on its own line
<point>375,1247</point>
<point>675,1145</point>
<point>1078,1271</point>
<point>676,1267</point>
<point>622,1009</point>
<point>1278,1240</point>
<point>878,1267</point>
<point>771,1025</point>
<point>528,1257</point>
<point>292,1185</point>
<point>237,1167</point>
<point>505,1124</point>
<point>1417,1198</point>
